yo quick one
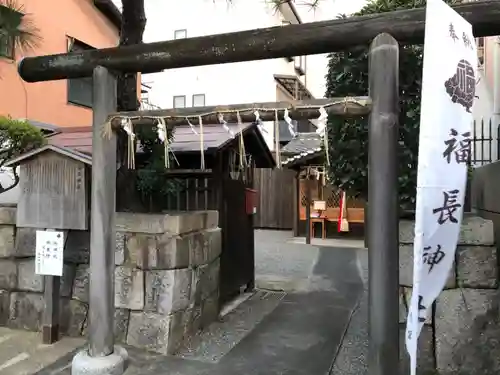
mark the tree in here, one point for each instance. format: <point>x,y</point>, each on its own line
<point>348,138</point>
<point>17,32</point>
<point>16,29</point>
<point>16,138</point>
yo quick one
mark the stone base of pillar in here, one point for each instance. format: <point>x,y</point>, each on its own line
<point>113,364</point>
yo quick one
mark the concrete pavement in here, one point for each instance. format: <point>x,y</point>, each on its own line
<point>296,328</point>
<point>21,352</point>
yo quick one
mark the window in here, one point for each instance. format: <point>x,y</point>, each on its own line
<point>199,100</point>
<point>180,101</point>
<point>7,42</point>
<point>80,89</point>
<point>180,34</point>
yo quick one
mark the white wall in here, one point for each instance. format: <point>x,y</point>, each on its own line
<point>222,84</point>
<point>234,83</point>
<point>237,82</point>
<point>327,10</point>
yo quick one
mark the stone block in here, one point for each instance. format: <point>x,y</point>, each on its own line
<point>205,281</point>
<point>406,268</point>
<point>210,309</point>
<point>120,249</point>
<point>6,241</point>
<point>121,322</point>
<point>122,317</point>
<point>204,246</point>
<point>69,271</point>
<point>149,331</point>
<point>158,251</point>
<point>178,330</point>
<point>196,286</point>
<point>168,291</point>
<point>132,222</point>
<point>81,283</point>
<point>27,279</point>
<point>73,315</point>
<point>25,244</point>
<point>209,278</point>
<point>190,221</point>
<point>425,352</point>
<point>467,330</point>
<point>476,231</point>
<point>477,267</point>
<point>194,323</point>
<point>77,247</point>
<point>403,307</point>
<point>8,215</point>
<point>8,274</point>
<point>4,307</point>
<point>129,288</point>
<point>26,311</point>
<point>408,293</point>
<point>406,232</point>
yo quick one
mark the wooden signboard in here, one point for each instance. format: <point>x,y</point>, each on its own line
<point>53,192</point>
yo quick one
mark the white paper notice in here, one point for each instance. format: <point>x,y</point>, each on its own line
<point>448,91</point>
<point>49,252</point>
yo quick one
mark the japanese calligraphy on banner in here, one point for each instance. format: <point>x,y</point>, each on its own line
<point>49,253</point>
<point>448,91</point>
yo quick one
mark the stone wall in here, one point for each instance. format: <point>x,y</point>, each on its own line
<point>462,332</point>
<point>166,278</point>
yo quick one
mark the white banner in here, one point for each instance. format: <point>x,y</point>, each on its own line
<point>448,91</point>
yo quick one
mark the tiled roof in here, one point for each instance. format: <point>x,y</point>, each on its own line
<point>303,145</point>
<point>185,140</point>
<point>303,142</point>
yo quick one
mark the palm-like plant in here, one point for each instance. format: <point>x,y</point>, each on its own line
<point>17,32</point>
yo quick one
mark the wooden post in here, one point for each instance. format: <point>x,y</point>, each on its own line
<point>308,209</point>
<point>50,318</point>
<point>293,40</point>
<point>296,205</point>
<point>102,222</point>
<point>383,220</point>
<point>51,312</point>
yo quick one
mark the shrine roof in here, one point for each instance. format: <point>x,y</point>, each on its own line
<point>78,141</point>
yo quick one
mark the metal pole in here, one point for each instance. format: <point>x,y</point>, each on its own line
<point>102,222</point>
<point>383,218</point>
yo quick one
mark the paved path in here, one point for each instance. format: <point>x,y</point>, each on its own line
<point>21,352</point>
<point>295,330</point>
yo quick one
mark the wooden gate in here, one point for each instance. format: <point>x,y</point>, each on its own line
<point>206,192</point>
<point>237,260</point>
<point>275,198</point>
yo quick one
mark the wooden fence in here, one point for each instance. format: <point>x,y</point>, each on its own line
<point>275,198</point>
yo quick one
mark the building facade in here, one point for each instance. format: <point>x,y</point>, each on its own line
<point>293,78</point>
<point>486,108</point>
<point>61,26</point>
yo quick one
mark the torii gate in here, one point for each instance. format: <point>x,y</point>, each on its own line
<point>294,40</point>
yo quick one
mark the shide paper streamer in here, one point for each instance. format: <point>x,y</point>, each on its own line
<point>126,123</point>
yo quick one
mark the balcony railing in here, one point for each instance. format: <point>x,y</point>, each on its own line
<point>147,106</point>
